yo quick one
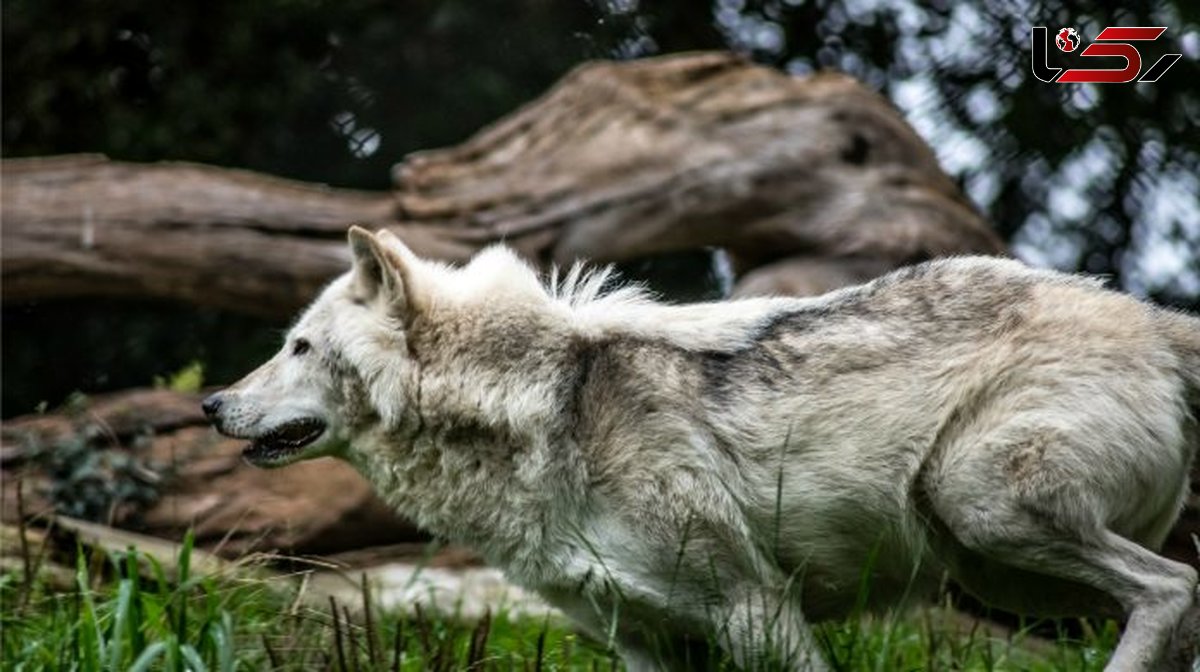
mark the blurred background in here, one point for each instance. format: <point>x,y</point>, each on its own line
<point>1097,178</point>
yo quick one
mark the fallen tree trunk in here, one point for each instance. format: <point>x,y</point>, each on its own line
<point>808,183</point>
<point>85,226</point>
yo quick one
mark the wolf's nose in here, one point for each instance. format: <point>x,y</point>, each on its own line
<point>212,405</point>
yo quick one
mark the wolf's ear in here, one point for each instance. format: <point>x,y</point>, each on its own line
<point>383,269</point>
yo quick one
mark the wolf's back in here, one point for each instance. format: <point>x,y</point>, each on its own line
<point>1184,334</point>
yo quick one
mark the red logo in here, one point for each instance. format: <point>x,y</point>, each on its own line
<point>1067,40</point>
<point>1112,42</point>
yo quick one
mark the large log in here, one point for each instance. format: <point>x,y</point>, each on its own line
<point>623,160</point>
<point>808,183</point>
<point>78,226</point>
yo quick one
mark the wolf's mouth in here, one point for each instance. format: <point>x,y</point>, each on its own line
<point>283,442</point>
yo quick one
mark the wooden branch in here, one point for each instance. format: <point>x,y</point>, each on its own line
<point>629,159</point>
<point>86,226</point>
<point>617,161</point>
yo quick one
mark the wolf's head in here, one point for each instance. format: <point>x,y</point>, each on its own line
<point>312,397</point>
<point>397,329</point>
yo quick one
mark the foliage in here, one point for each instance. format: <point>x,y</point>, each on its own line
<point>188,379</point>
<point>1101,178</point>
<point>92,483</point>
<point>178,620</point>
<point>324,91</point>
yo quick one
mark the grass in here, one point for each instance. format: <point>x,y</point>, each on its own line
<point>126,613</point>
<point>921,642</point>
<point>182,622</point>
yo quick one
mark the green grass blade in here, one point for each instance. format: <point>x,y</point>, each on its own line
<point>91,639</point>
<point>192,657</point>
<point>182,587</point>
<point>148,657</point>
<point>223,642</point>
<point>116,647</point>
<point>137,638</point>
<point>174,657</point>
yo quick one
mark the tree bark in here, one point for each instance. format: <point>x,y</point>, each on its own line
<point>808,184</point>
<point>83,226</point>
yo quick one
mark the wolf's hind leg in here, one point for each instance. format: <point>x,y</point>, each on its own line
<point>990,519</point>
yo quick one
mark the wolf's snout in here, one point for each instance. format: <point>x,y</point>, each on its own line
<point>212,405</point>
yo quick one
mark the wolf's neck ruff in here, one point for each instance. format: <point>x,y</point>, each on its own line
<point>503,495</point>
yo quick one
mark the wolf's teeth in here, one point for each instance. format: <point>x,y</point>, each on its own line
<point>283,441</point>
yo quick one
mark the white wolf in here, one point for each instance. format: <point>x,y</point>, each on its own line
<point>728,472</point>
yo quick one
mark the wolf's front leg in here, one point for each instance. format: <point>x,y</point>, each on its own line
<point>638,658</point>
<point>646,645</point>
<point>763,629</point>
<point>1184,652</point>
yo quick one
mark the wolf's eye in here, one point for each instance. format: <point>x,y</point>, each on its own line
<point>301,346</point>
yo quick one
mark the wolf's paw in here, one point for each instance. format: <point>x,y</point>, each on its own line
<point>1183,655</point>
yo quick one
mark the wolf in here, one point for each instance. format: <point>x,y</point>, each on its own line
<point>671,476</point>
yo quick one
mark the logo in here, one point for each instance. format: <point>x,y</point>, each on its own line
<point>1112,42</point>
<point>1067,40</point>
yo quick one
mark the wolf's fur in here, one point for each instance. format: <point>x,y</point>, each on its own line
<point>735,469</point>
